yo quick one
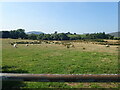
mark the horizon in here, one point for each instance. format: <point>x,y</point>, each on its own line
<point>61,32</point>
<point>70,32</point>
<point>48,17</point>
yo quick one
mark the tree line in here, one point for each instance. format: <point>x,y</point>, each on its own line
<point>20,33</point>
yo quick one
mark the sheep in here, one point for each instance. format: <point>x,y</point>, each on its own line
<point>15,45</point>
<point>26,45</point>
<point>72,46</point>
<point>67,46</point>
<point>107,46</point>
<point>83,48</point>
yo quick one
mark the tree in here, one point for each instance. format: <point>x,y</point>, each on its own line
<point>40,36</point>
<point>32,36</point>
<point>21,33</point>
<point>68,33</point>
<point>55,32</point>
<point>0,34</point>
<point>74,37</point>
<point>47,37</point>
<point>14,34</point>
<point>5,34</point>
<point>63,36</point>
<point>55,37</point>
<point>74,33</point>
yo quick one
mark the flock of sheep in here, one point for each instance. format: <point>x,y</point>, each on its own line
<point>66,44</point>
<point>15,45</point>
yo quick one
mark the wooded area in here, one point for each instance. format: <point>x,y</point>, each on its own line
<point>20,33</point>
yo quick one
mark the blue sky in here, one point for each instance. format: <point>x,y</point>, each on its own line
<point>48,17</point>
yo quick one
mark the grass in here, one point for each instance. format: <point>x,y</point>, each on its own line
<point>57,59</point>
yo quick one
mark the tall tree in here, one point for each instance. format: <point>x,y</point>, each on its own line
<point>21,33</point>
<point>32,36</point>
<point>5,34</point>
<point>63,36</point>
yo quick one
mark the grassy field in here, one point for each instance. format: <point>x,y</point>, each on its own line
<point>85,58</point>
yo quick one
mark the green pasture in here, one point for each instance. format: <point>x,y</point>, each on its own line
<point>55,59</point>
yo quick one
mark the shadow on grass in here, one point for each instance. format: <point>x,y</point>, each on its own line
<point>10,85</point>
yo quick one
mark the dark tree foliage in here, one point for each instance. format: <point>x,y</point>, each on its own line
<point>14,34</point>
<point>5,34</point>
<point>0,34</point>
<point>75,37</point>
<point>98,36</point>
<point>40,36</point>
<point>47,37</point>
<point>20,33</point>
<point>55,36</point>
<point>63,36</point>
<point>68,33</point>
<point>32,36</point>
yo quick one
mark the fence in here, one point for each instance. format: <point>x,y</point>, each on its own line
<point>60,77</point>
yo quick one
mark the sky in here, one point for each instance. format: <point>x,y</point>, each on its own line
<point>48,17</point>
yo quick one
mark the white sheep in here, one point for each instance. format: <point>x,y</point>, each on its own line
<point>26,45</point>
<point>15,45</point>
<point>72,46</point>
<point>107,46</point>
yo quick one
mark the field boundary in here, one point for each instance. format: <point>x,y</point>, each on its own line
<point>60,77</point>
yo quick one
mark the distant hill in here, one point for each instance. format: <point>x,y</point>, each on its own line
<point>115,34</point>
<point>34,32</point>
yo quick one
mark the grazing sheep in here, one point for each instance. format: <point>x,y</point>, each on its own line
<point>26,45</point>
<point>83,48</point>
<point>72,46</point>
<point>107,46</point>
<point>67,46</point>
<point>15,45</point>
